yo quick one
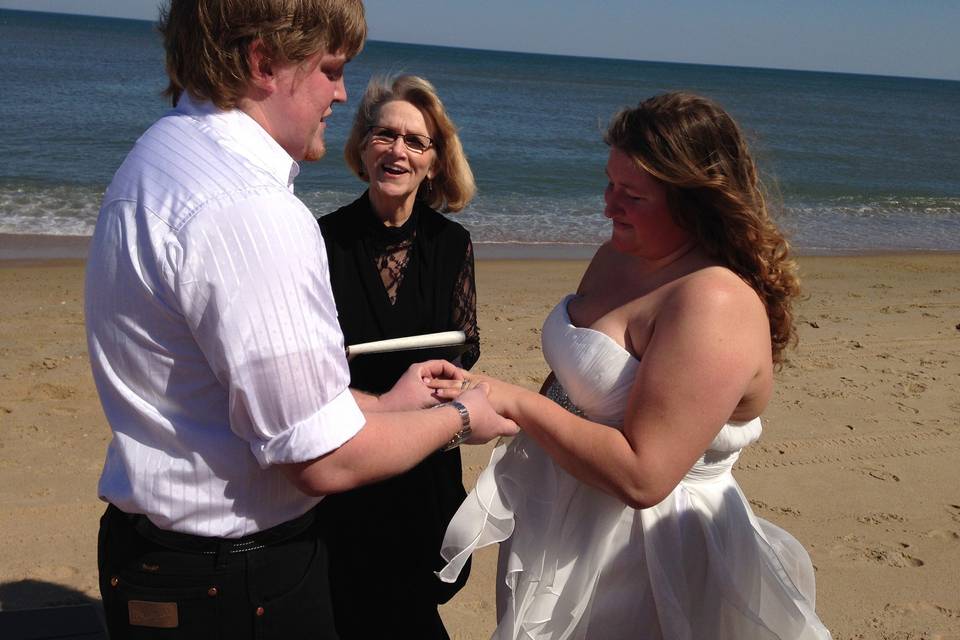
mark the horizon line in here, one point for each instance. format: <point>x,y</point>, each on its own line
<point>554,54</point>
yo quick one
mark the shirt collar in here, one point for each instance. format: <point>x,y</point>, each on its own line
<point>243,135</point>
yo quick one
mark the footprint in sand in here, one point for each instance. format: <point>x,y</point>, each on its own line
<point>879,518</point>
<point>855,549</point>
<point>923,609</point>
<point>879,474</point>
<point>954,511</point>
<point>943,534</point>
<point>763,506</point>
<point>822,363</point>
<point>903,408</point>
<point>58,573</point>
<point>825,393</point>
<point>45,391</point>
<point>63,413</point>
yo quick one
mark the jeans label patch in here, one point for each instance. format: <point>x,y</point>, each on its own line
<point>159,615</point>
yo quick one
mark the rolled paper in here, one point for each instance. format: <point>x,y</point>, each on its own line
<point>423,341</point>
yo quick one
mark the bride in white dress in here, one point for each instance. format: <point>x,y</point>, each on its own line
<point>616,510</point>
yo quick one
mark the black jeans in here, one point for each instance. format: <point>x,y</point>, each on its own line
<point>161,584</point>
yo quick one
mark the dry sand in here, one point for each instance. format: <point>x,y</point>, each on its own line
<point>859,458</point>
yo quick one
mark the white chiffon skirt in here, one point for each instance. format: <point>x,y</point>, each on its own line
<point>577,563</point>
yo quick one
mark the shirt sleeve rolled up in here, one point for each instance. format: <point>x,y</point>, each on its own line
<point>253,283</point>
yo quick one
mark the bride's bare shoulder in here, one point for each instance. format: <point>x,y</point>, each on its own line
<point>606,263</point>
<point>714,291</point>
<point>716,278</point>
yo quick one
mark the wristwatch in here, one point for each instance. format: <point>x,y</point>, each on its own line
<point>465,429</point>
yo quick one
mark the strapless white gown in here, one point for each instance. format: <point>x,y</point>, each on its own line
<point>578,563</point>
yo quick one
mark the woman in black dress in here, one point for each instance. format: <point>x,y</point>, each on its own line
<point>399,268</point>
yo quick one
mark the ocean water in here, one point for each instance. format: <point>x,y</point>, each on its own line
<point>860,163</point>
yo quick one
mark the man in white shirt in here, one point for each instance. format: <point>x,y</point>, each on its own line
<point>214,340</point>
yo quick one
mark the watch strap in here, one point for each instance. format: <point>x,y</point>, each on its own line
<point>465,430</point>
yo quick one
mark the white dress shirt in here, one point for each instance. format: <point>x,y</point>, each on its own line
<point>212,329</point>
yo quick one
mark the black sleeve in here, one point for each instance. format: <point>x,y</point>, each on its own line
<point>463,309</point>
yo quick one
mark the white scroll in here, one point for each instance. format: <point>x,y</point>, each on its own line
<point>408,343</point>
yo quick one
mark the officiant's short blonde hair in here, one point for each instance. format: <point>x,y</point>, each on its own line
<point>452,186</point>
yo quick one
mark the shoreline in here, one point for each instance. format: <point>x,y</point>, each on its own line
<point>36,247</point>
<point>39,248</point>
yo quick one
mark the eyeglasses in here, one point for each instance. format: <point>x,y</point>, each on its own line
<point>412,141</point>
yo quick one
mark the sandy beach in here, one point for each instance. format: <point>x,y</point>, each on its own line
<point>859,457</point>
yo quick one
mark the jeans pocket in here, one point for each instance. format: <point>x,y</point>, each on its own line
<point>304,610</point>
<point>140,606</point>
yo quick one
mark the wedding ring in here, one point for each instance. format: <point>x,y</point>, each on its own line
<point>463,385</point>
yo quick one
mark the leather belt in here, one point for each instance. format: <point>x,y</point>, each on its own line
<point>208,545</point>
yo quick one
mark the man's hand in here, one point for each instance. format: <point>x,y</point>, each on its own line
<point>411,392</point>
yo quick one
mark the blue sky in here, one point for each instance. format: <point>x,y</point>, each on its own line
<point>893,37</point>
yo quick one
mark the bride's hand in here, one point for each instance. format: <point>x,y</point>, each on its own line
<point>450,388</point>
<point>502,395</point>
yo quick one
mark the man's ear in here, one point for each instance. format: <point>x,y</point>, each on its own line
<point>261,66</point>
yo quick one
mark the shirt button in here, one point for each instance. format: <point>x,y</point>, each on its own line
<point>260,611</point>
<point>114,581</point>
<point>212,592</point>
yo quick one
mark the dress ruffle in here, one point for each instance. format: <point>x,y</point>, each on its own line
<point>578,563</point>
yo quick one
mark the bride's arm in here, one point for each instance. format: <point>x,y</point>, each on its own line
<point>706,351</point>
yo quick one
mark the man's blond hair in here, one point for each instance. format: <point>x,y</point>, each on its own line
<point>207,42</point>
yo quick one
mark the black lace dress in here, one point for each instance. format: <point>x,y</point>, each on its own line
<point>384,539</point>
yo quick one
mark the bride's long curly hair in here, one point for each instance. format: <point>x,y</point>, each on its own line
<point>692,146</point>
